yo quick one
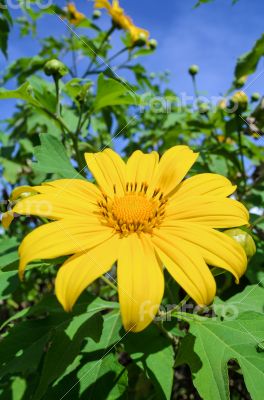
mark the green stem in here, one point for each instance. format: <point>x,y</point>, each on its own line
<point>257,221</point>
<point>109,283</point>
<point>93,59</point>
<point>175,309</point>
<point>57,88</point>
<point>173,339</point>
<point>195,86</point>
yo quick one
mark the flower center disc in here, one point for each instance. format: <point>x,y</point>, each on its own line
<point>133,209</point>
<point>133,212</point>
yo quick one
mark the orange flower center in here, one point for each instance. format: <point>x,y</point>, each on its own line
<point>135,211</point>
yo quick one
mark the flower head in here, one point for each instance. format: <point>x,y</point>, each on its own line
<point>122,20</point>
<point>74,16</point>
<point>143,215</point>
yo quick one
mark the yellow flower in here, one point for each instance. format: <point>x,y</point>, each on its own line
<point>143,215</point>
<point>74,16</point>
<point>122,20</point>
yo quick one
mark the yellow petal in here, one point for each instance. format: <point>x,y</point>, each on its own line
<point>22,190</point>
<point>140,282</point>
<point>206,210</point>
<point>204,184</point>
<point>109,171</point>
<point>141,167</point>
<point>102,4</point>
<point>80,270</point>
<point>61,238</point>
<point>7,218</point>
<point>217,249</point>
<point>76,187</point>
<point>186,266</point>
<point>56,207</point>
<point>172,168</point>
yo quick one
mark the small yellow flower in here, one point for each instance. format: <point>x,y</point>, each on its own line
<point>74,16</point>
<point>143,215</point>
<point>122,20</point>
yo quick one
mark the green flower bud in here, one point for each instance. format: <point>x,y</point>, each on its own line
<point>255,96</point>
<point>153,44</point>
<point>55,68</point>
<point>141,40</point>
<point>244,239</point>
<point>204,108</point>
<point>239,101</point>
<point>241,81</point>
<point>97,14</point>
<point>193,70</point>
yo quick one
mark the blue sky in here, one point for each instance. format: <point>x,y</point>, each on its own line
<point>212,36</point>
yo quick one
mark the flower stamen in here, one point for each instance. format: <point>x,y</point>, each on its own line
<point>135,211</point>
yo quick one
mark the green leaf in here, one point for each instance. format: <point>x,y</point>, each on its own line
<point>8,251</point>
<point>251,299</point>
<point>112,92</point>
<point>100,333</point>
<point>22,348</point>
<point>9,281</point>
<point>247,63</point>
<point>52,158</point>
<point>211,343</point>
<point>24,92</point>
<point>154,353</point>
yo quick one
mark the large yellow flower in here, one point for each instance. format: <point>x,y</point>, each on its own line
<point>144,216</point>
<point>122,20</point>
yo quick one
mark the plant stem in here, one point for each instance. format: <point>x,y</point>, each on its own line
<point>195,86</point>
<point>176,308</point>
<point>109,283</point>
<point>257,221</point>
<point>240,147</point>
<point>97,52</point>
<point>57,88</point>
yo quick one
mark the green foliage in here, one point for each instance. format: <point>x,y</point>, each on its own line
<point>52,158</point>
<point>46,353</point>
<point>247,63</point>
<point>211,344</point>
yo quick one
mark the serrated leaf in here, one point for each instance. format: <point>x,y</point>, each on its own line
<point>52,158</point>
<point>250,299</point>
<point>211,343</point>
<point>24,92</point>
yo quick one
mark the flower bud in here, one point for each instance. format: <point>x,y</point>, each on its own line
<point>193,70</point>
<point>244,239</point>
<point>222,105</point>
<point>55,68</point>
<point>153,44</point>
<point>141,40</point>
<point>240,100</point>
<point>97,14</point>
<point>204,108</point>
<point>255,96</point>
<point>241,81</point>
